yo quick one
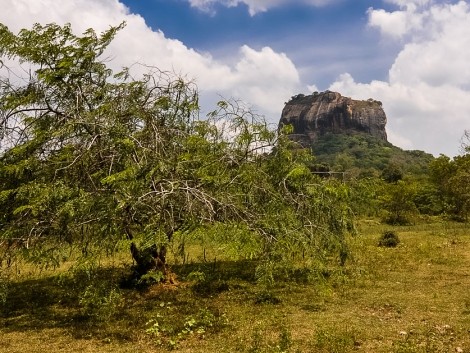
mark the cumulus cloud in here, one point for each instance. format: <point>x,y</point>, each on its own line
<point>395,24</point>
<point>254,6</point>
<point>262,77</point>
<point>427,95</point>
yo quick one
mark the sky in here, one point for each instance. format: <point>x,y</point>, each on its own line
<point>413,55</point>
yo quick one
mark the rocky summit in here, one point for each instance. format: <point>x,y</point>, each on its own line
<point>329,112</point>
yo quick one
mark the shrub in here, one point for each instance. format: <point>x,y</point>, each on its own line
<point>389,239</point>
<point>100,301</point>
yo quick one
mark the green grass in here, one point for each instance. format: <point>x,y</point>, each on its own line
<point>412,298</point>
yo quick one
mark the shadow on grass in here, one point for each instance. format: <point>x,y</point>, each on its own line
<point>243,270</point>
<point>53,301</point>
<point>85,305</point>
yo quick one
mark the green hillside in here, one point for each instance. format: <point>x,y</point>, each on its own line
<point>364,155</point>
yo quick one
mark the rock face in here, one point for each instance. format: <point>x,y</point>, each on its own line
<point>329,112</point>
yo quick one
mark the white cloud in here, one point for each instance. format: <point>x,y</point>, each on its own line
<point>254,6</point>
<point>408,3</point>
<point>394,24</point>
<point>427,96</point>
<point>263,77</point>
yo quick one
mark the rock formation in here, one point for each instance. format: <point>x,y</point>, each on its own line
<point>329,112</point>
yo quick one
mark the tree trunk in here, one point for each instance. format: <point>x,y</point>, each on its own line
<point>149,259</point>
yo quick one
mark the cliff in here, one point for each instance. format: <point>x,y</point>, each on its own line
<point>329,112</point>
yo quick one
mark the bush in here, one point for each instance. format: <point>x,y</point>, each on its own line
<point>100,301</point>
<point>389,239</point>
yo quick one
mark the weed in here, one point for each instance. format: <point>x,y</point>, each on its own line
<point>210,287</point>
<point>170,334</point>
<point>337,342</point>
<point>256,342</point>
<point>267,297</point>
<point>197,276</point>
<point>260,345</point>
<point>207,284</point>
<point>265,273</point>
<point>100,301</point>
<point>389,239</point>
<point>4,289</point>
<point>466,304</point>
<point>150,278</point>
<point>285,339</point>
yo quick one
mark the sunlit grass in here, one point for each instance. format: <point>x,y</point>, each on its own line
<point>412,298</point>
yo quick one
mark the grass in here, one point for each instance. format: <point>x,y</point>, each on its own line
<point>412,298</point>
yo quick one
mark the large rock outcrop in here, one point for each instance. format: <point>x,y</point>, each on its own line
<point>329,112</point>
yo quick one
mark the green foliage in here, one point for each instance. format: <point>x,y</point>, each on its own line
<point>94,291</point>
<point>209,286</point>
<point>451,179</point>
<point>100,301</point>
<point>362,155</point>
<point>392,173</point>
<point>4,288</point>
<point>171,334</point>
<point>389,239</point>
<point>93,157</point>
<point>364,196</point>
<point>428,199</point>
<point>397,201</point>
<point>151,277</point>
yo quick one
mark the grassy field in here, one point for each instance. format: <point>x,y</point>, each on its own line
<point>412,298</point>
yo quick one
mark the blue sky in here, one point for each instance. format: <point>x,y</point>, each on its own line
<point>412,55</point>
<point>322,41</point>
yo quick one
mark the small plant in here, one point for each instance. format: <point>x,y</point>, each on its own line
<point>4,288</point>
<point>267,297</point>
<point>151,277</point>
<point>265,273</point>
<point>206,285</point>
<point>389,239</point>
<point>466,310</point>
<point>256,342</point>
<point>171,334</point>
<point>100,301</point>
<point>196,276</point>
<point>260,345</point>
<point>285,340</point>
<point>338,342</point>
<point>155,330</point>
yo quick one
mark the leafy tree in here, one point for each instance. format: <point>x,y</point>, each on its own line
<point>428,199</point>
<point>451,177</point>
<point>397,201</point>
<point>392,173</point>
<point>365,194</point>
<point>89,157</point>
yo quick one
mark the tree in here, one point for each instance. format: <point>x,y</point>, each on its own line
<point>398,202</point>
<point>465,145</point>
<point>90,157</point>
<point>392,173</point>
<point>451,177</point>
